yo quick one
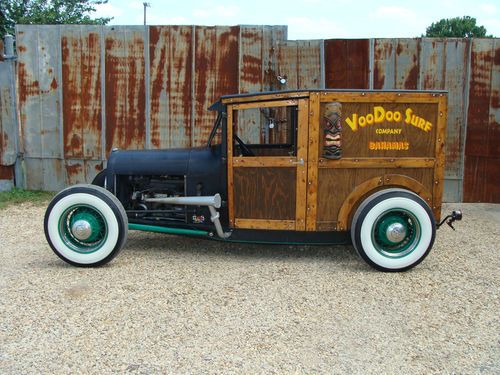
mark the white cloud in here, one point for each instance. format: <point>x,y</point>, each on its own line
<point>308,28</point>
<point>107,10</point>
<point>394,12</point>
<point>219,11</point>
<point>489,9</point>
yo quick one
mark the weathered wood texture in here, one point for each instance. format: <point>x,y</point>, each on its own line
<point>419,129</point>
<point>264,193</point>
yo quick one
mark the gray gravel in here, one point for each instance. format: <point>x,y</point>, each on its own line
<point>177,305</point>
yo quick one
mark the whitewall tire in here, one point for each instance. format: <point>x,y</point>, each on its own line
<point>393,230</point>
<point>86,225</point>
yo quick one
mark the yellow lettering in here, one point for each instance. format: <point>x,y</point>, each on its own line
<point>421,123</point>
<point>428,126</point>
<point>397,116</point>
<point>362,121</point>
<point>369,119</point>
<point>379,114</point>
<point>353,124</point>
<point>409,112</point>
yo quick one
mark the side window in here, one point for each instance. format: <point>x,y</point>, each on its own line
<point>331,116</point>
<point>265,131</point>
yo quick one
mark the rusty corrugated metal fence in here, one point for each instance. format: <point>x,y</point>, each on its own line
<point>85,89</point>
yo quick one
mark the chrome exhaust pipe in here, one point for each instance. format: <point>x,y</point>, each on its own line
<point>212,202</point>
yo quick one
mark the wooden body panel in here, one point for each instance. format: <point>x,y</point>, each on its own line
<point>388,139</point>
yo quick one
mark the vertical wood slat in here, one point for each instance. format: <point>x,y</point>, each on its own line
<point>301,186</point>
<point>230,177</point>
<point>312,160</point>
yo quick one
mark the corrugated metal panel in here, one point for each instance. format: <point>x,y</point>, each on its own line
<point>396,63</point>
<point>8,129</point>
<point>171,63</point>
<point>272,37</point>
<point>347,63</point>
<point>444,67</point>
<point>81,78</point>
<point>125,87</point>
<point>40,106</point>
<point>482,152</point>
<point>287,64</point>
<point>227,60</point>
<point>204,82</point>
<point>309,64</point>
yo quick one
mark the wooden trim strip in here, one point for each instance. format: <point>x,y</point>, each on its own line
<point>263,97</point>
<point>385,97</point>
<point>392,162</point>
<point>364,188</point>
<point>312,162</point>
<point>264,161</point>
<point>230,177</point>
<point>301,187</point>
<point>277,103</point>
<point>437,195</point>
<point>265,224</point>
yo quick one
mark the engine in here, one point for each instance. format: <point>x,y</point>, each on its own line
<point>138,192</point>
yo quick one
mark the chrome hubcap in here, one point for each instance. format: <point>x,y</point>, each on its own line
<point>81,229</point>
<point>396,232</point>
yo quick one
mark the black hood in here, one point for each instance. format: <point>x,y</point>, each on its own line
<point>149,162</point>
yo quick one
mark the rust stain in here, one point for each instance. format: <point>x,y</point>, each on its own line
<point>27,86</point>
<point>204,81</point>
<point>347,63</point>
<point>53,84</point>
<point>73,170</point>
<point>125,110</point>
<point>157,52</point>
<point>6,172</point>
<point>252,69</point>
<point>180,78</point>
<point>227,62</point>
<point>251,45</point>
<point>411,81</point>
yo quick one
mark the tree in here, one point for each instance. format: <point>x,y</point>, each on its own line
<point>464,27</point>
<point>48,12</point>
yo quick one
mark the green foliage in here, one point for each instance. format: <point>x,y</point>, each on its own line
<point>457,27</point>
<point>48,12</point>
<point>17,196</point>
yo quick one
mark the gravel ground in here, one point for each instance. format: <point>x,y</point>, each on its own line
<point>178,305</point>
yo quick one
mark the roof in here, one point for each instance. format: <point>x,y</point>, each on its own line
<point>286,94</point>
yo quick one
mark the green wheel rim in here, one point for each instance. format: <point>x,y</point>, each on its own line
<point>83,228</point>
<point>396,233</point>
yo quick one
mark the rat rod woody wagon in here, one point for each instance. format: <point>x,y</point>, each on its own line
<point>312,166</point>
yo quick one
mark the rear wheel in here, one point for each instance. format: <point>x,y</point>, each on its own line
<point>393,230</point>
<point>86,225</point>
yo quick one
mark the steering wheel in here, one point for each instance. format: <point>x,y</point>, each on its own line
<point>245,151</point>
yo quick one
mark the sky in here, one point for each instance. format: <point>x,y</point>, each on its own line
<point>309,19</point>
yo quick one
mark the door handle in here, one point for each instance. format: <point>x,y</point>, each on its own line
<point>299,162</point>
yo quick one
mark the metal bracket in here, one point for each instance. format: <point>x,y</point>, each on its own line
<point>454,216</point>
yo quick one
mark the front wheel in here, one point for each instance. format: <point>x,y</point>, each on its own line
<point>86,225</point>
<point>393,230</point>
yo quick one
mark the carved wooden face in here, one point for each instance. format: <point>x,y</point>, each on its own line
<point>332,129</point>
